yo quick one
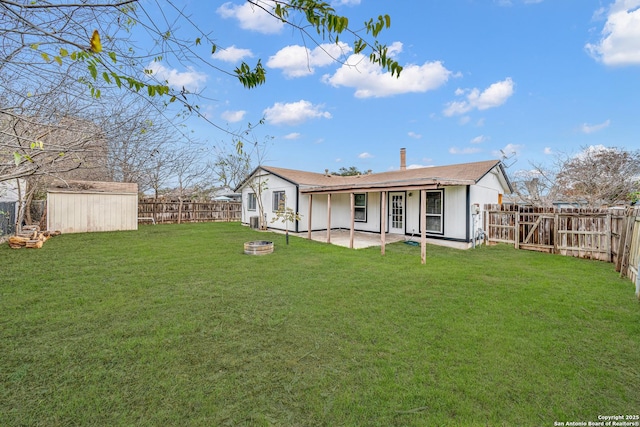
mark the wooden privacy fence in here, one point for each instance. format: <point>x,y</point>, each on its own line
<point>178,211</point>
<point>629,263</point>
<point>611,235</point>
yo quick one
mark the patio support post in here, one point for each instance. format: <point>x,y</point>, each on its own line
<point>328,217</point>
<point>309,220</point>
<point>352,198</point>
<point>423,226</point>
<point>383,222</point>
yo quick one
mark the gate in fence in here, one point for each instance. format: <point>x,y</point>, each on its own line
<point>629,262</point>
<point>583,233</point>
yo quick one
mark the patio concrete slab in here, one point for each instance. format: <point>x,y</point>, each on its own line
<point>360,239</point>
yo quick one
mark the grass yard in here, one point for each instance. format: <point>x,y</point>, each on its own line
<point>173,325</point>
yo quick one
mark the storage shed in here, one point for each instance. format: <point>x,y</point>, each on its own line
<point>89,206</point>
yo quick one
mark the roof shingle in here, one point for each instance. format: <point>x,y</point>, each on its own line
<point>460,174</point>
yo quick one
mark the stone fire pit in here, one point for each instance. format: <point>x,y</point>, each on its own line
<point>258,247</point>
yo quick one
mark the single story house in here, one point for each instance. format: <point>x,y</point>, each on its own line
<point>442,204</point>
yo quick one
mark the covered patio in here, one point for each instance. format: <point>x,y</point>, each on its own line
<point>383,188</point>
<point>360,239</point>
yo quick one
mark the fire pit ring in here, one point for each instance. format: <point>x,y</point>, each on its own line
<point>258,247</point>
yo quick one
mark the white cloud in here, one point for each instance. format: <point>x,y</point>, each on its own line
<point>414,135</point>
<point>548,150</point>
<point>620,41</point>
<point>251,17</point>
<point>189,80</point>
<point>294,113</point>
<point>369,80</point>
<point>592,149</point>
<point>468,150</point>
<point>464,120</point>
<point>292,135</point>
<point>479,139</point>
<point>345,3</point>
<point>493,96</point>
<point>365,155</point>
<point>233,116</point>
<point>587,128</point>
<point>232,54</point>
<point>298,61</point>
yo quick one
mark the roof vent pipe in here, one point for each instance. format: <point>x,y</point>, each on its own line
<point>403,159</point>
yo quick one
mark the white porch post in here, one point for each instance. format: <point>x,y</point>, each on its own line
<point>383,222</point>
<point>328,217</point>
<point>423,226</point>
<point>309,220</point>
<point>352,198</point>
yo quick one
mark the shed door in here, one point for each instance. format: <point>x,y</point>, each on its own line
<point>396,213</point>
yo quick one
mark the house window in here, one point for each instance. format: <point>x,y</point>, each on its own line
<point>251,201</point>
<point>360,207</point>
<point>278,200</point>
<point>434,212</point>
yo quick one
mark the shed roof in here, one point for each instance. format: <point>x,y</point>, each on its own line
<point>428,177</point>
<point>73,186</point>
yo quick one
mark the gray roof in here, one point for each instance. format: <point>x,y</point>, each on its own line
<point>415,178</point>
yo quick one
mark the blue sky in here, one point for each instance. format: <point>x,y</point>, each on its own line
<point>529,77</point>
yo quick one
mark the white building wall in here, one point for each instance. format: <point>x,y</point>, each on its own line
<point>455,212</point>
<point>457,215</point>
<point>487,191</point>
<point>454,209</point>
<point>271,184</point>
<point>318,214</point>
<point>373,214</point>
<point>412,214</point>
<point>9,190</point>
<point>340,207</point>
<point>91,212</point>
<point>341,212</point>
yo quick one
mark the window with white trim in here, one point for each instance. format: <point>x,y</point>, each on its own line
<point>278,201</point>
<point>251,201</point>
<point>434,212</point>
<point>360,200</point>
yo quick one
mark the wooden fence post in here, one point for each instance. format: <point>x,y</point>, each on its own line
<point>623,240</point>
<point>626,251</point>
<point>607,227</point>
<point>556,227</point>
<point>516,233</point>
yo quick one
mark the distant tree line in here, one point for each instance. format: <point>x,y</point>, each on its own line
<point>596,176</point>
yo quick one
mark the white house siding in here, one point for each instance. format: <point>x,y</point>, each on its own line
<point>455,212</point>
<point>486,191</point>
<point>458,219</point>
<point>340,208</point>
<point>318,214</point>
<point>88,212</point>
<point>9,190</point>
<point>412,212</point>
<point>273,184</point>
<point>373,214</point>
<point>341,213</point>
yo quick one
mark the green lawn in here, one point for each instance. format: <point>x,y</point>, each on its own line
<point>174,325</point>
